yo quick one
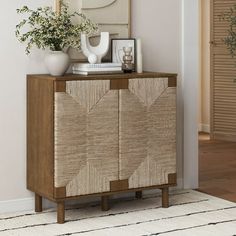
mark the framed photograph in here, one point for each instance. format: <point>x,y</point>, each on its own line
<point>112,16</point>
<point>117,49</point>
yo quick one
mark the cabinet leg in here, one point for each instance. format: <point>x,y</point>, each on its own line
<point>139,194</point>
<point>165,197</point>
<point>38,203</point>
<point>105,203</point>
<point>61,212</point>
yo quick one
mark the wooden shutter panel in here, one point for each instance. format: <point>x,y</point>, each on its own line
<point>223,76</point>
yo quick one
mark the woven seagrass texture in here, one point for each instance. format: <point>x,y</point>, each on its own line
<point>87,93</point>
<point>70,138</point>
<point>147,132</point>
<point>104,135</point>
<point>86,137</point>
<point>148,90</point>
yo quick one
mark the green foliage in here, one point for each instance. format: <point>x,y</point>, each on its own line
<point>230,39</point>
<point>48,29</point>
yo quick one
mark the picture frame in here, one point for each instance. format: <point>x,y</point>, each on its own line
<point>113,16</point>
<point>117,49</point>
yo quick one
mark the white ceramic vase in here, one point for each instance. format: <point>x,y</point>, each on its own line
<point>57,62</point>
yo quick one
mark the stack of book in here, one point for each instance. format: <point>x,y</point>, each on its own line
<point>102,68</point>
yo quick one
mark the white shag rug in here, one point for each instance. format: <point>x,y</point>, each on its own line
<point>191,213</point>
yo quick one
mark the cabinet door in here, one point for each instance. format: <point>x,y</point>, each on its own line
<point>86,138</point>
<point>147,132</point>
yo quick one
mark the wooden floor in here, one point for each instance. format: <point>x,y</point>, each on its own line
<point>217,167</point>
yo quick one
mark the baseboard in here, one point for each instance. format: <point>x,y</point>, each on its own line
<point>17,205</point>
<point>204,128</point>
<point>24,204</point>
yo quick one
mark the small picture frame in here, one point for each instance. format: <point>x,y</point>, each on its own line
<point>117,49</point>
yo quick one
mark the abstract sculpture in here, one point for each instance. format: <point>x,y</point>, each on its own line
<point>95,53</point>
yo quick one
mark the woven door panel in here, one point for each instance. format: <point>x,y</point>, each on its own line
<point>147,132</point>
<point>86,137</point>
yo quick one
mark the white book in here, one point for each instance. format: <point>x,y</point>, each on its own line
<point>77,72</point>
<point>98,69</point>
<point>101,65</point>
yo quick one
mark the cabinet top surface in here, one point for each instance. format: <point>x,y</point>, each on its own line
<point>103,77</point>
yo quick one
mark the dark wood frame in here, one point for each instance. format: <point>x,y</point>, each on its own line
<point>134,53</point>
<point>40,139</point>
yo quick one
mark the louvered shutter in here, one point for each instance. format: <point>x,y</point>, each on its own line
<point>223,76</point>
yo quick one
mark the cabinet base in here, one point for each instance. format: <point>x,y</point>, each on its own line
<point>38,203</point>
<point>165,197</point>
<point>61,212</point>
<point>139,194</point>
<point>104,203</point>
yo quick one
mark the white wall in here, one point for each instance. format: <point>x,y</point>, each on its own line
<point>14,67</point>
<point>190,75</point>
<point>157,22</point>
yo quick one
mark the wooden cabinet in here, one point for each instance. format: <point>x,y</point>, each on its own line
<point>100,135</point>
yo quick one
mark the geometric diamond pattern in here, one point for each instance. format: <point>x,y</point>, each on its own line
<point>87,93</point>
<point>104,135</point>
<point>148,90</point>
<point>90,156</point>
<point>147,133</point>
